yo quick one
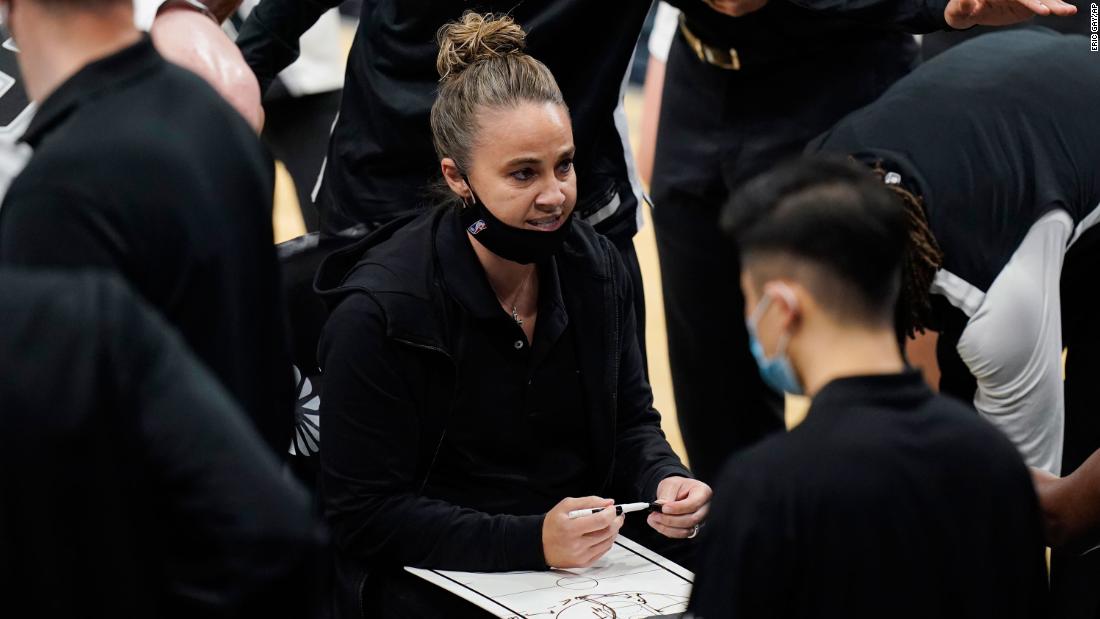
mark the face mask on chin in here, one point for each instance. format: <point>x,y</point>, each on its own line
<point>777,372</point>
<point>516,244</point>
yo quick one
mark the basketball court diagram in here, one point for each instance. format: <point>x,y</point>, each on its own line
<point>629,582</point>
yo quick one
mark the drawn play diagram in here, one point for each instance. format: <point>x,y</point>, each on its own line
<point>629,582</point>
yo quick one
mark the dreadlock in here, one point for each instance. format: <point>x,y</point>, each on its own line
<point>923,257</point>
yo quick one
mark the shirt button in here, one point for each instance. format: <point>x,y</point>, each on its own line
<point>519,344</point>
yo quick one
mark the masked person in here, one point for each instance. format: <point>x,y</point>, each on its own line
<point>480,364</point>
<point>807,63</point>
<point>1003,239</point>
<point>887,499</point>
<point>379,161</point>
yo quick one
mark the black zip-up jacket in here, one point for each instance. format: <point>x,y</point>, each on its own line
<point>388,353</point>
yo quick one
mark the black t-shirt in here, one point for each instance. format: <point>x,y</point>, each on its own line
<point>381,160</point>
<point>142,169</point>
<point>994,133</point>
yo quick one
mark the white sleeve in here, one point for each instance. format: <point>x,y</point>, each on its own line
<point>1013,345</point>
<point>144,12</point>
<point>664,29</point>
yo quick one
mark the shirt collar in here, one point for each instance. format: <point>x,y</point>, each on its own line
<point>902,390</point>
<point>94,79</point>
<point>466,281</point>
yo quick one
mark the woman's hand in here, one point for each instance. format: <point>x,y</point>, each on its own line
<point>581,541</point>
<point>684,506</point>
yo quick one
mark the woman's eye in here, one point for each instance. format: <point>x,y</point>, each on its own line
<point>525,174</point>
<point>565,166</point>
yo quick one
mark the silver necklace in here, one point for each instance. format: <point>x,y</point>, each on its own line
<point>515,299</point>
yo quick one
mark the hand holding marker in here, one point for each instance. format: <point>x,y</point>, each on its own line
<point>622,508</point>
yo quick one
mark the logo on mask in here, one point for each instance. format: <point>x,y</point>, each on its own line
<point>476,227</point>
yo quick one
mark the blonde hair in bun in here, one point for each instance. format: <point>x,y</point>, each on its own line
<point>481,64</point>
<point>475,38</point>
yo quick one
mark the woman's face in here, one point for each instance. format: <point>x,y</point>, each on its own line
<point>521,166</point>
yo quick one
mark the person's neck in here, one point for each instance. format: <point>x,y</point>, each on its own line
<point>847,351</point>
<point>63,44</point>
<point>507,278</point>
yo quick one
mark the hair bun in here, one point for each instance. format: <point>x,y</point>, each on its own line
<point>475,38</point>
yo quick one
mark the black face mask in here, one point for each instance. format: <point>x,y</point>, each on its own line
<point>511,243</point>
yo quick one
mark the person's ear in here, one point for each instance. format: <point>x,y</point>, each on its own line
<point>749,292</point>
<point>454,178</point>
<point>786,300</point>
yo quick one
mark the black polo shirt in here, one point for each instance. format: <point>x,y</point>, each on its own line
<point>518,440</point>
<point>888,500</point>
<point>142,169</point>
<point>381,159</point>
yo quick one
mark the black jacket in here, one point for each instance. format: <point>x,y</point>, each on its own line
<point>389,382</point>
<point>888,500</point>
<point>132,485</point>
<point>142,169</point>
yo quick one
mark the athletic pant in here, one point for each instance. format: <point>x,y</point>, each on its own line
<point>719,128</point>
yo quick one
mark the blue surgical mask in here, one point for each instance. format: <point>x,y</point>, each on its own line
<point>777,372</point>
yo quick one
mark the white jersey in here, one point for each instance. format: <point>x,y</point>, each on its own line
<point>664,31</point>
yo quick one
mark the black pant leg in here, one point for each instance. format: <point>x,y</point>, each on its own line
<point>718,129</point>
<point>1075,580</point>
<point>296,130</point>
<point>721,402</point>
<point>634,270</point>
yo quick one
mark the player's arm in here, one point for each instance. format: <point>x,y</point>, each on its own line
<point>1070,504</point>
<point>1012,345</point>
<point>269,37</point>
<point>187,36</point>
<point>916,16</point>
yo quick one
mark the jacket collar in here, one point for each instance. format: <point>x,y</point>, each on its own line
<point>462,274</point>
<point>405,265</point>
<point>465,280</point>
<point>90,82</point>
